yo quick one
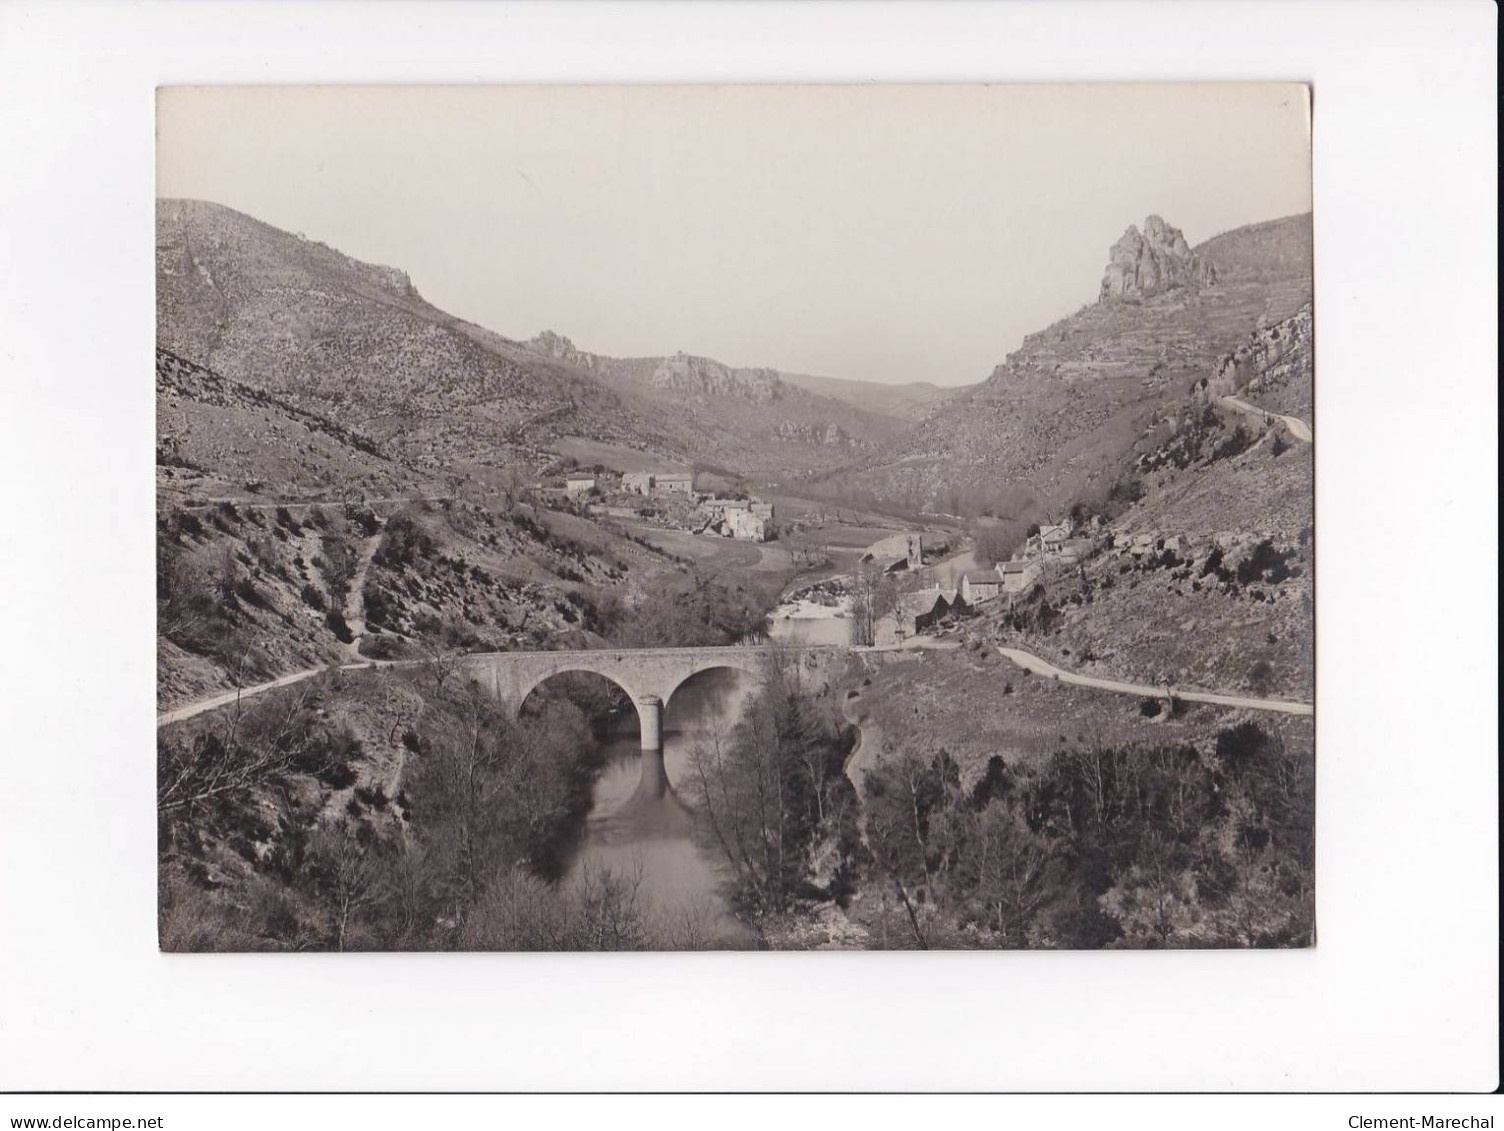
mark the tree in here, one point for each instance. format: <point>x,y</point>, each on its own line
<point>345,876</point>
<point>903,794</point>
<point>1007,865</point>
<point>875,594</point>
<point>230,760</point>
<point>764,789</point>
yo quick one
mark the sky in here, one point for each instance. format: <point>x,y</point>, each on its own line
<point>882,233</point>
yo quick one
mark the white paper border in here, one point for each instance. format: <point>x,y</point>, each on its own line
<point>1401,993</point>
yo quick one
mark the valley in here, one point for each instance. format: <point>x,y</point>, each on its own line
<point>1101,627</point>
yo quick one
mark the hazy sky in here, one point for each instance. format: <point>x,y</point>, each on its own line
<point>890,233</point>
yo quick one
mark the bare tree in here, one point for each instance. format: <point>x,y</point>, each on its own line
<point>226,761</point>
<point>348,873</point>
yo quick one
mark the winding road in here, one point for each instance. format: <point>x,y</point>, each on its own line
<point>1032,663</point>
<point>1296,426</point>
<point>1025,660</point>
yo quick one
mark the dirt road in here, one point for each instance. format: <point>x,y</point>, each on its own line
<point>1032,663</point>
<point>1297,427</point>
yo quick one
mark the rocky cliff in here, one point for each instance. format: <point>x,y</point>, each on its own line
<point>1147,263</point>
<point>1054,422</point>
<point>736,411</point>
<point>703,376</point>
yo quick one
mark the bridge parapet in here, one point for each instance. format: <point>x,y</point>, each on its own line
<point>643,673</point>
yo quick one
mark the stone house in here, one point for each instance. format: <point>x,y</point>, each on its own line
<point>742,523</point>
<point>1051,538</point>
<point>638,482</point>
<point>1017,576</point>
<point>979,587</point>
<point>918,611</point>
<point>673,482</point>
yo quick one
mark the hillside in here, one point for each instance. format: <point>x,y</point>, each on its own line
<point>220,438</point>
<point>1205,579</point>
<point>1054,423</point>
<point>355,342</point>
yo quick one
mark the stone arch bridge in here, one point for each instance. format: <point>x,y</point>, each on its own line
<point>649,676</point>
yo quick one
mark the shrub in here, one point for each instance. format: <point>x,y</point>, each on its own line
<point>335,623</point>
<point>1149,708</point>
<point>246,590</point>
<point>313,598</point>
<point>337,774</point>
<point>1261,676</point>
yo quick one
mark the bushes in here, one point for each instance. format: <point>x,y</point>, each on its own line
<point>334,621</point>
<point>1266,563</point>
<point>1154,845</point>
<point>1237,443</point>
<point>1261,677</point>
<point>405,543</point>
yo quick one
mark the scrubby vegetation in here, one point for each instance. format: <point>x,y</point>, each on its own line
<point>1166,845</point>
<point>773,796</point>
<point>391,812</point>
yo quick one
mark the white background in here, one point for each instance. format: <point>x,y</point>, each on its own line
<point>1401,992</point>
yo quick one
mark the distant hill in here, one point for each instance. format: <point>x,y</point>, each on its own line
<point>1055,421</point>
<point>356,343</point>
<point>756,408</point>
<point>913,400</point>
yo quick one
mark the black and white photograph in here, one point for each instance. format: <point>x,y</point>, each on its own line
<point>777,518</point>
<point>767,563</point>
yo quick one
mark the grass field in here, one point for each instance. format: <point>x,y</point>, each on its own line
<point>615,456</point>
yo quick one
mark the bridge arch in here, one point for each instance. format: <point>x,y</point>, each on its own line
<point>539,684</point>
<point>749,672</point>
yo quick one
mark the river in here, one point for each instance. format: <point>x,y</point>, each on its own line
<point>685,879</point>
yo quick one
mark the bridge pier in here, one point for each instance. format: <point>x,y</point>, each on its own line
<point>654,781</point>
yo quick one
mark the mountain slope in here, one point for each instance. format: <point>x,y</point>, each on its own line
<point>1206,578</point>
<point>758,417</point>
<point>352,341</point>
<point>356,343</point>
<point>1054,423</point>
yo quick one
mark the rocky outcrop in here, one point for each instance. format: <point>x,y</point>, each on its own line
<point>703,376</point>
<point>560,348</point>
<point>1154,260</point>
<point>1272,369</point>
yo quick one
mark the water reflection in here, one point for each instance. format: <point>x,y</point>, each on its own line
<point>652,831</point>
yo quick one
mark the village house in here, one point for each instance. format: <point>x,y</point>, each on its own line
<point>1017,576</point>
<point>916,612</point>
<point>638,482</point>
<point>673,482</point>
<point>980,587</point>
<point>1074,549</point>
<point>742,523</point>
<point>578,484</point>
<point>1051,538</point>
<point>737,518</point>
